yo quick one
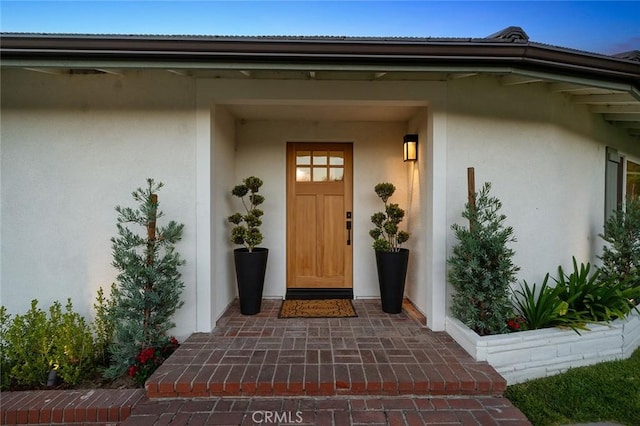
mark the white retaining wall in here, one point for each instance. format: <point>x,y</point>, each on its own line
<point>533,354</point>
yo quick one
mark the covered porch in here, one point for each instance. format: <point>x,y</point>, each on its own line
<point>247,127</point>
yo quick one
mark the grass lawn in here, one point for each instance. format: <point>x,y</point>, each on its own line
<point>609,391</point>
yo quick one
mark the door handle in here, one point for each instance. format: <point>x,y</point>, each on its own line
<point>348,232</point>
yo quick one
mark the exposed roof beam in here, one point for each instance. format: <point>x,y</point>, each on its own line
<point>565,87</point>
<point>514,79</point>
<point>180,73</point>
<point>621,117</point>
<point>629,124</point>
<point>616,98</point>
<point>108,71</point>
<point>616,109</point>
<point>454,76</point>
<point>45,71</point>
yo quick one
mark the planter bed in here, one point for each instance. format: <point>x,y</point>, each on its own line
<point>527,355</point>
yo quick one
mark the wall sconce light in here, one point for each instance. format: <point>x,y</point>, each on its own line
<point>410,145</point>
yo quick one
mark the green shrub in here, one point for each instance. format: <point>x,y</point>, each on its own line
<point>72,353</point>
<point>541,308</point>
<point>576,299</point>
<point>103,326</point>
<point>591,298</point>
<point>481,268</point>
<point>35,343</point>
<point>29,346</point>
<point>5,361</point>
<point>621,255</point>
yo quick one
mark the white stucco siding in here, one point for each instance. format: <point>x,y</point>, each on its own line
<point>73,147</point>
<point>545,159</point>
<point>223,180</point>
<point>377,156</point>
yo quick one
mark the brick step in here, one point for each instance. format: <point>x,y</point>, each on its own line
<point>337,410</point>
<point>88,406</point>
<point>324,380</point>
<point>373,354</point>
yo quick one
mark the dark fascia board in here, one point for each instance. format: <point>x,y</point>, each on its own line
<point>321,50</point>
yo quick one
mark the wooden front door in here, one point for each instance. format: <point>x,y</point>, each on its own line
<point>319,216</point>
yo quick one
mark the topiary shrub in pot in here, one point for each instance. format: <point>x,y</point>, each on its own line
<point>250,260</point>
<point>391,260</point>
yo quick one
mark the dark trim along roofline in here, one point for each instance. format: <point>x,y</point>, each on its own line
<point>494,51</point>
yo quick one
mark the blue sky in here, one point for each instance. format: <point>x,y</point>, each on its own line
<point>596,26</point>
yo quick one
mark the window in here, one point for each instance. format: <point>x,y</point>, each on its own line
<point>319,166</point>
<point>632,179</point>
<point>622,180</point>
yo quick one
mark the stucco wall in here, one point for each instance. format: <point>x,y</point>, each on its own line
<point>73,147</point>
<point>261,151</point>
<point>545,158</point>
<point>223,179</point>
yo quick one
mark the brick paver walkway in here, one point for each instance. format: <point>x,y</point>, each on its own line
<point>374,369</point>
<point>373,354</point>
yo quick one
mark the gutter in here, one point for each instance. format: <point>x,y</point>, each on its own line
<point>322,51</point>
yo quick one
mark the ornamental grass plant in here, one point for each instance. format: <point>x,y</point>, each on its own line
<point>577,298</point>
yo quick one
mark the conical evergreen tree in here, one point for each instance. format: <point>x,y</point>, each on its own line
<point>149,283</point>
<point>481,267</point>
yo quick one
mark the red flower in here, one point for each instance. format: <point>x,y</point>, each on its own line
<point>146,355</point>
<point>133,370</point>
<point>514,324</point>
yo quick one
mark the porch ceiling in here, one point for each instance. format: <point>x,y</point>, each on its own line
<point>305,112</point>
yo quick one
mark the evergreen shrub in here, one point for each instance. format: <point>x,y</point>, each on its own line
<point>35,343</point>
<point>149,283</point>
<point>621,253</point>
<point>481,269</point>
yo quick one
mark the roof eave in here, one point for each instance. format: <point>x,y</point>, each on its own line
<point>338,51</point>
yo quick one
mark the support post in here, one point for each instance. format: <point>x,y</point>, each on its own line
<point>471,192</point>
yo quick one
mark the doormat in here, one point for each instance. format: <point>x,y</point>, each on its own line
<point>317,308</point>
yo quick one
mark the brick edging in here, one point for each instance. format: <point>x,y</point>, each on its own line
<point>68,406</point>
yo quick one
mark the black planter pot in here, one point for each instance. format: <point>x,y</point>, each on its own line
<point>250,272</point>
<point>392,273</point>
